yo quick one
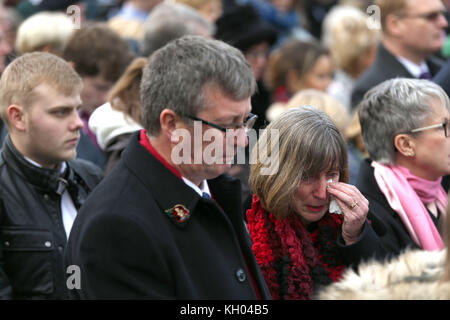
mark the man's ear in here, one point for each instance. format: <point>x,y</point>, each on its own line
<point>405,145</point>
<point>168,121</point>
<point>16,115</point>
<point>394,25</point>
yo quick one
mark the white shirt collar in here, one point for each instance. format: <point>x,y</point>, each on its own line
<point>414,69</point>
<point>204,186</point>
<point>63,164</point>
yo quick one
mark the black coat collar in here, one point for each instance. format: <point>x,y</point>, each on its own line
<point>48,180</point>
<point>387,62</point>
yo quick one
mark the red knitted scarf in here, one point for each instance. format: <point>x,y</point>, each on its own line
<point>294,260</point>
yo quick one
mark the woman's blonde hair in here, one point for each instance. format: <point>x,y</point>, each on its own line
<point>308,143</point>
<point>125,94</point>
<point>44,30</point>
<point>319,99</point>
<point>347,35</point>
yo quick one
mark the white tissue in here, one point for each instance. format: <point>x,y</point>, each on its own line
<point>334,207</point>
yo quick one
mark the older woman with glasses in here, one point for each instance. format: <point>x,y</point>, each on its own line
<point>299,240</point>
<point>405,128</point>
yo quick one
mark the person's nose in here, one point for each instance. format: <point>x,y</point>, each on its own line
<point>77,123</point>
<point>320,190</point>
<point>443,23</point>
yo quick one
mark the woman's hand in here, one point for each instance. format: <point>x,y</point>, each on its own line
<point>354,207</point>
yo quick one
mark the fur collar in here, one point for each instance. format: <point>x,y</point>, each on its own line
<point>413,275</point>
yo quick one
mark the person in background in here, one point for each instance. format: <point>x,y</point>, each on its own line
<point>412,31</point>
<point>5,50</point>
<point>405,128</point>
<point>210,9</point>
<point>114,122</point>
<point>243,28</point>
<point>99,56</point>
<point>5,47</point>
<point>298,65</point>
<point>129,21</point>
<point>300,242</point>
<point>170,21</point>
<point>43,185</point>
<point>44,31</point>
<point>352,45</point>
<point>27,8</point>
<point>164,205</point>
<point>321,100</point>
<point>284,16</point>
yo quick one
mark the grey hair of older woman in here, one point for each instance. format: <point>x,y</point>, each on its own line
<point>308,143</point>
<point>178,75</point>
<point>393,107</point>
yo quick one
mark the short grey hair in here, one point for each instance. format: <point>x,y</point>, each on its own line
<point>395,106</point>
<point>178,74</point>
<point>169,21</point>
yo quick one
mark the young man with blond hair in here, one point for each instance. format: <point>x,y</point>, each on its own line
<point>42,187</point>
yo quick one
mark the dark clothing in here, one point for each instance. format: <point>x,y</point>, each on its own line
<point>384,220</point>
<point>261,101</point>
<point>32,234</point>
<point>114,149</point>
<point>385,67</point>
<point>129,245</point>
<point>443,77</point>
<point>87,150</point>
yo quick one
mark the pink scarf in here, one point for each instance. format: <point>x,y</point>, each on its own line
<point>407,194</point>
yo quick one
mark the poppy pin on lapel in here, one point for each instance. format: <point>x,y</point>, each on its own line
<point>178,213</point>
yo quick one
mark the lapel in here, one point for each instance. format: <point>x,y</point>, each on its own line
<point>387,62</point>
<point>175,199</point>
<point>368,186</point>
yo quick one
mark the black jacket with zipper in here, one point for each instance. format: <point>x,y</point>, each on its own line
<point>32,234</point>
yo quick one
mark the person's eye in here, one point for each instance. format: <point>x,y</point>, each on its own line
<point>306,179</point>
<point>61,112</point>
<point>333,174</point>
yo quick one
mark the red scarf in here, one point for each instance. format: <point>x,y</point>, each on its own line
<point>294,260</point>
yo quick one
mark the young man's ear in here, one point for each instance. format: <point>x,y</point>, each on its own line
<point>16,117</point>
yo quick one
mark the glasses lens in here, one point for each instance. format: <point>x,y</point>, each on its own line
<point>250,122</point>
<point>432,16</point>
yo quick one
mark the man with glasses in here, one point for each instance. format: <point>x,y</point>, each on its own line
<point>413,30</point>
<point>162,229</point>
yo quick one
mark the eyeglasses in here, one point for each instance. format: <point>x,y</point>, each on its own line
<point>444,125</point>
<point>429,16</point>
<point>249,122</point>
